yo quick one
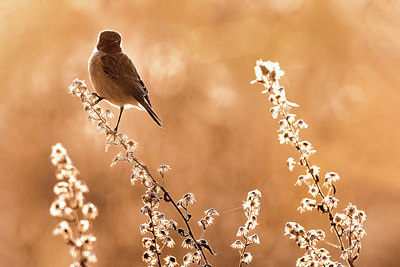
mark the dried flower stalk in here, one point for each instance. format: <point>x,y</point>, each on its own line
<point>251,209</point>
<point>71,207</point>
<point>157,225</point>
<point>346,226</point>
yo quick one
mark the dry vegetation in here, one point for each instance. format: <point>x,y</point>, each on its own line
<point>347,226</point>
<point>196,58</point>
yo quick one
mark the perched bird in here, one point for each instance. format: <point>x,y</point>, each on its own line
<point>115,78</point>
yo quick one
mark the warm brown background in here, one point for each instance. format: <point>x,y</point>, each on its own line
<point>341,60</point>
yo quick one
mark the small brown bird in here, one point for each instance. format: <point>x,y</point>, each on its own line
<point>115,78</point>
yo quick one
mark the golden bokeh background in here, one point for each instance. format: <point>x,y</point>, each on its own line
<point>341,60</point>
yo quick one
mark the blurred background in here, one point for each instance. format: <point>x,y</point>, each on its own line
<point>341,61</point>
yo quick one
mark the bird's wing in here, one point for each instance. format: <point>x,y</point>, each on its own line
<point>120,69</point>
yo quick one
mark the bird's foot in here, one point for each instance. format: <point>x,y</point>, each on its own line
<point>98,98</point>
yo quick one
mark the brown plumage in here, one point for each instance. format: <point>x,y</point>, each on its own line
<point>115,78</point>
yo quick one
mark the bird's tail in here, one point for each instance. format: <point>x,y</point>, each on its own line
<point>154,115</point>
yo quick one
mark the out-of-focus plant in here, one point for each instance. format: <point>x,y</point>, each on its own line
<point>157,225</point>
<point>346,226</point>
<point>70,206</point>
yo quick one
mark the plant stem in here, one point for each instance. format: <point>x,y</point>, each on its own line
<point>144,167</point>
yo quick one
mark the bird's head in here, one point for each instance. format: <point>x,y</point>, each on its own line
<point>109,42</point>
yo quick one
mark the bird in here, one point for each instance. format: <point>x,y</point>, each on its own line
<point>115,78</point>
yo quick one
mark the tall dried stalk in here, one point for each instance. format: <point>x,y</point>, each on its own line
<point>71,207</point>
<point>157,225</point>
<point>347,226</point>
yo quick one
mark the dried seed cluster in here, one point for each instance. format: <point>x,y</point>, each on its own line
<point>157,225</point>
<point>347,225</point>
<point>70,205</point>
<point>251,209</point>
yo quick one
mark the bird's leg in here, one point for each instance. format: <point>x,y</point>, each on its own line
<point>99,98</point>
<point>119,118</point>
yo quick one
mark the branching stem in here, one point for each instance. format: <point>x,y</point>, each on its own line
<point>144,167</point>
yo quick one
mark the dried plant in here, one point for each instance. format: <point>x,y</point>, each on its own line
<point>70,206</point>
<point>157,226</point>
<point>346,226</point>
<point>251,209</point>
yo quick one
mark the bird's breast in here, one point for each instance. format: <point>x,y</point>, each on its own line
<point>105,86</point>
